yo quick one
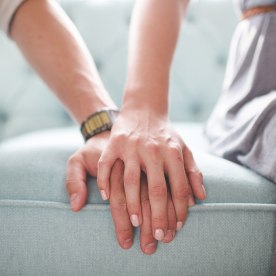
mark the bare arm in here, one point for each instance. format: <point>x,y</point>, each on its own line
<point>153,36</point>
<point>143,136</point>
<point>53,46</point>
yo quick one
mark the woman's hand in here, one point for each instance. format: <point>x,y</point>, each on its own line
<point>146,141</point>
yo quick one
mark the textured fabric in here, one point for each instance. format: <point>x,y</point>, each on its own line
<point>242,127</point>
<point>48,239</point>
<point>230,233</point>
<point>45,154</point>
<point>7,10</point>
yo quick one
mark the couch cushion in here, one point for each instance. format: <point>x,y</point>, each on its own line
<point>32,167</point>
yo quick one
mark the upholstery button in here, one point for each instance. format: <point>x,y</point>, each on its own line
<point>98,65</point>
<point>128,19</point>
<point>3,116</point>
<point>28,70</point>
<point>196,109</point>
<point>221,60</point>
<point>190,18</point>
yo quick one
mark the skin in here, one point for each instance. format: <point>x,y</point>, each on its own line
<point>142,136</point>
<point>132,179</point>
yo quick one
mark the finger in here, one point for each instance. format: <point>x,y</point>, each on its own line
<point>172,221</point>
<point>105,165</point>
<point>76,182</point>
<point>194,175</point>
<point>158,200</point>
<point>118,205</point>
<point>132,191</point>
<point>148,243</point>
<point>180,189</point>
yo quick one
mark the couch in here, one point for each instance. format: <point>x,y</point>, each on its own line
<point>232,232</point>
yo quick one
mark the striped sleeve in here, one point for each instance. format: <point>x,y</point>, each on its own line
<point>7,10</point>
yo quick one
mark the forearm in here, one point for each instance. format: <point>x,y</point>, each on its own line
<point>153,36</point>
<point>53,46</point>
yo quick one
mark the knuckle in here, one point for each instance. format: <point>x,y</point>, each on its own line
<point>102,162</point>
<point>118,138</point>
<point>159,220</point>
<point>145,203</point>
<point>188,151</point>
<point>195,172</point>
<point>152,148</point>
<point>158,191</point>
<point>118,205</point>
<point>135,140</point>
<point>131,180</point>
<point>176,152</point>
<point>69,183</point>
<point>74,158</point>
<point>181,192</point>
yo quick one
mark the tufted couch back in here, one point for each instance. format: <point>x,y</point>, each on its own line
<point>26,103</point>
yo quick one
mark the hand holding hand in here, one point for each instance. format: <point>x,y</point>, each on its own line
<point>147,142</point>
<point>85,160</point>
<point>120,214</point>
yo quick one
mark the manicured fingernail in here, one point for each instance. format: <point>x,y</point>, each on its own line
<point>134,220</point>
<point>73,201</point>
<point>191,201</point>
<point>150,248</point>
<point>127,243</point>
<point>179,225</point>
<point>103,194</point>
<point>159,234</point>
<point>204,191</point>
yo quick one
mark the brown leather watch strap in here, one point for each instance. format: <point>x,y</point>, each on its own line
<point>258,10</point>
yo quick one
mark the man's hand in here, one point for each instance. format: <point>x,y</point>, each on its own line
<point>84,161</point>
<point>120,214</point>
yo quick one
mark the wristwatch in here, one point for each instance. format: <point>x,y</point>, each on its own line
<point>98,122</point>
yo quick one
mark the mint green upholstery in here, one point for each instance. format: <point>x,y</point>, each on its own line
<point>231,233</point>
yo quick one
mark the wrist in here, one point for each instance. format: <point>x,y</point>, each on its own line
<point>84,103</point>
<point>152,99</point>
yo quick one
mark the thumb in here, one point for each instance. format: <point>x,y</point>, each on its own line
<point>76,182</point>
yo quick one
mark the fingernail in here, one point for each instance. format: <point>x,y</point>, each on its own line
<point>204,191</point>
<point>173,233</point>
<point>150,248</point>
<point>191,201</point>
<point>159,234</point>
<point>179,225</point>
<point>134,220</point>
<point>127,243</point>
<point>73,201</point>
<point>169,236</point>
<point>103,194</point>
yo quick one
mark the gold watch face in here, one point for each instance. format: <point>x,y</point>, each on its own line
<point>96,123</point>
